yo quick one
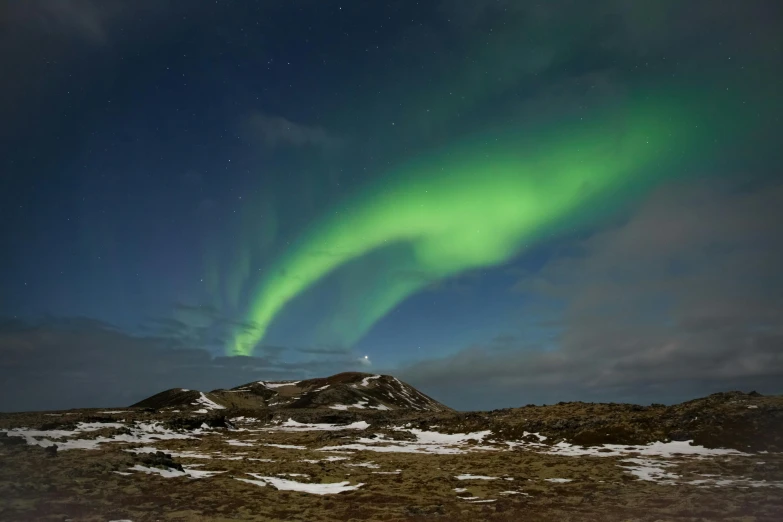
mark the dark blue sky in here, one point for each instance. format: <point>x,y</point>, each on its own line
<point>158,159</point>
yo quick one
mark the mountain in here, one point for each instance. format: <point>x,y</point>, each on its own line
<point>350,391</point>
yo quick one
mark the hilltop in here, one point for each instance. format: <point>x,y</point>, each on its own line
<point>349,391</point>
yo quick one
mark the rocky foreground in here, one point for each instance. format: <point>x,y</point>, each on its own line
<point>716,458</point>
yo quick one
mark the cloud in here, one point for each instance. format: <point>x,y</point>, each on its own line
<point>325,350</point>
<point>78,363</point>
<point>276,131</point>
<point>197,325</point>
<point>89,21</point>
<point>684,297</point>
<point>631,28</point>
<point>86,19</point>
<point>43,42</point>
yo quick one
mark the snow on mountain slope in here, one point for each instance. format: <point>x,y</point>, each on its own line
<point>350,391</point>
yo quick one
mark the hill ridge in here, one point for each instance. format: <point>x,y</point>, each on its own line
<point>346,391</point>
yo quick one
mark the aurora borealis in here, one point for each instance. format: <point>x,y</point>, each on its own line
<point>471,206</point>
<point>551,200</point>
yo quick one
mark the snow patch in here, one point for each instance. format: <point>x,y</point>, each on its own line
<point>273,385</point>
<point>656,449</point>
<point>366,380</point>
<point>427,442</point>
<point>654,471</point>
<point>364,465</point>
<point>171,472</point>
<point>291,485</point>
<point>174,454</point>
<point>243,420</point>
<point>650,470</point>
<point>434,437</point>
<point>735,481</point>
<point>238,443</point>
<point>327,459</point>
<point>292,425</point>
<point>361,405</point>
<point>208,403</point>
<point>82,427</point>
<point>140,432</point>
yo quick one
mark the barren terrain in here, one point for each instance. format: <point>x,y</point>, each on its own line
<point>717,458</point>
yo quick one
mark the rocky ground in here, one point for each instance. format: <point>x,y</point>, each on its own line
<point>717,458</point>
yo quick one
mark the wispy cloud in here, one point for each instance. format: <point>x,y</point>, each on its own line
<point>683,297</point>
<point>91,21</point>
<point>277,131</point>
<point>59,363</point>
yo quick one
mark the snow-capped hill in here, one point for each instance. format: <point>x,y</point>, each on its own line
<point>356,391</point>
<point>180,398</point>
<point>350,391</point>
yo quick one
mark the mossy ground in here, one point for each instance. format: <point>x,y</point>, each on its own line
<point>82,485</point>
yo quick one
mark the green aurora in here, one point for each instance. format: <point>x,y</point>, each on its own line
<point>476,205</point>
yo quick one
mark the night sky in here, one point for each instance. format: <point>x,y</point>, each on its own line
<point>501,202</point>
